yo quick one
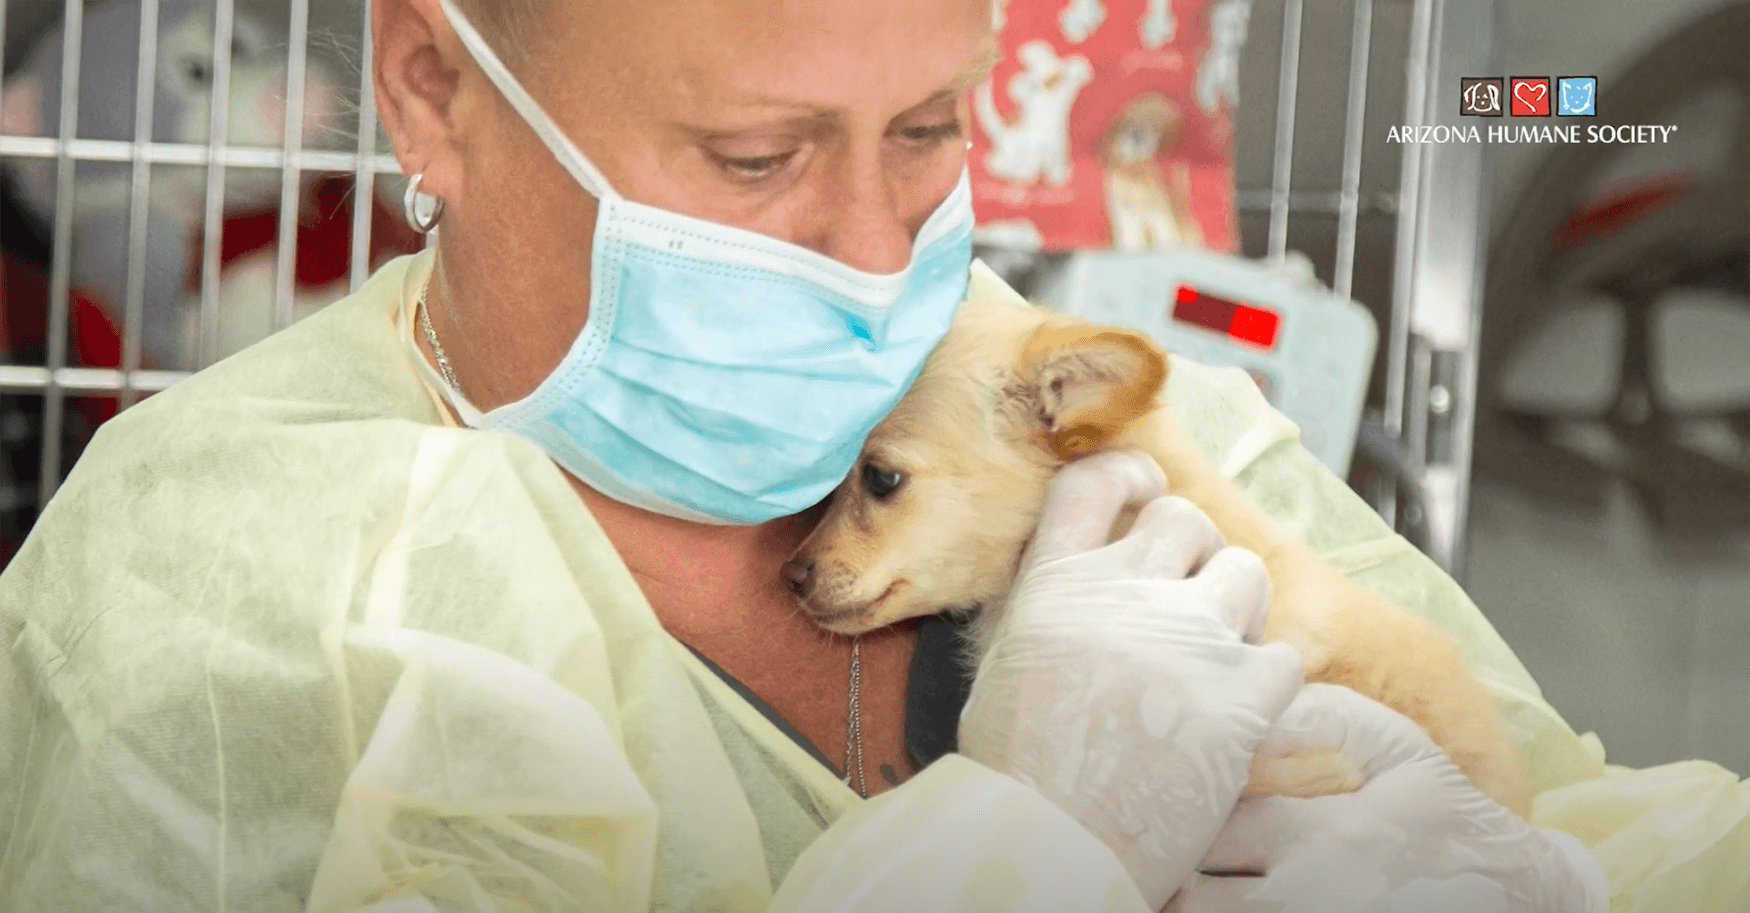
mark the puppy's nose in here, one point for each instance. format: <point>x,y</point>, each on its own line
<point>799,574</point>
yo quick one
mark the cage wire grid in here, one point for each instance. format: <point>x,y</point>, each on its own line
<point>56,379</point>
<point>1434,297</point>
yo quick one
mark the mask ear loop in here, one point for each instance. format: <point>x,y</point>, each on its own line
<point>561,146</point>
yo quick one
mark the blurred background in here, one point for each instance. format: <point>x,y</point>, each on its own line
<point>1608,527</point>
<point>1533,358</point>
<point>1614,551</point>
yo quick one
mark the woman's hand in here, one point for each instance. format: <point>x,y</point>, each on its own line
<point>1118,683</point>
<point>1416,837</point>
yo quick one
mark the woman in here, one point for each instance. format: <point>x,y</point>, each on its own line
<point>293,637</point>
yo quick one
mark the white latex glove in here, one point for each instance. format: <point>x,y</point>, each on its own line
<point>1118,684</point>
<point>1417,836</point>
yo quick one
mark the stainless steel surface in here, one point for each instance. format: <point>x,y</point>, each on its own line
<point>1445,284</point>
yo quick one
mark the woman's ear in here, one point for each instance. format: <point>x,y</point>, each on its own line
<point>1090,383</point>
<point>415,70</point>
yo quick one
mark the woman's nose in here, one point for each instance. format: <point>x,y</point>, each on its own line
<point>869,229</point>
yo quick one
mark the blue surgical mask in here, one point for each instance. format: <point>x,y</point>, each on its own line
<point>724,376</point>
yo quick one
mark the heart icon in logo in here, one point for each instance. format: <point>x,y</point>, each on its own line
<point>1531,96</point>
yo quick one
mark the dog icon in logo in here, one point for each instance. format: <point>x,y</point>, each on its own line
<point>1481,96</point>
<point>1577,96</point>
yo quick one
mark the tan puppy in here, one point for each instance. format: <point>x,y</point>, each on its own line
<point>949,487</point>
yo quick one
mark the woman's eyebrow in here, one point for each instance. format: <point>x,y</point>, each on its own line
<point>974,73</point>
<point>988,57</point>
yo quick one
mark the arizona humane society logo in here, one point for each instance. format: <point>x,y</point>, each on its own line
<point>1530,96</point>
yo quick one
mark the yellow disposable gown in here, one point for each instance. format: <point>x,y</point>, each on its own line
<point>288,640</point>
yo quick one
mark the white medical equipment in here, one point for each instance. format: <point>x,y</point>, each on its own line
<point>1309,349</point>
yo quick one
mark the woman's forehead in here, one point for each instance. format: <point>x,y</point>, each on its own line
<point>771,52</point>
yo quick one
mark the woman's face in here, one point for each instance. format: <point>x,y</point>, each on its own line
<point>838,125</point>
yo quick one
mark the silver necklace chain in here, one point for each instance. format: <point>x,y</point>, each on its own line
<point>443,363</point>
<point>854,716</point>
<point>854,724</point>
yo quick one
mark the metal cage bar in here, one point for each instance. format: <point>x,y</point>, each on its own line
<point>1349,198</point>
<point>1428,343</point>
<point>364,185</point>
<point>155,153</point>
<point>218,137</point>
<point>1397,335</point>
<point>134,308</point>
<point>291,173</point>
<point>61,268</point>
<point>1288,81</point>
<point>67,149</point>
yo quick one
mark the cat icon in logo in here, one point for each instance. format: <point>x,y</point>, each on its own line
<point>1577,96</point>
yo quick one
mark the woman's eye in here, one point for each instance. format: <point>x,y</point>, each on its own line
<point>755,169</point>
<point>935,133</point>
<point>881,482</point>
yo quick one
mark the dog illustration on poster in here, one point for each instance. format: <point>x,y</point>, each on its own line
<point>1158,24</point>
<point>1148,209</point>
<point>1116,129</point>
<point>1218,74</point>
<point>1081,18</point>
<point>1035,144</point>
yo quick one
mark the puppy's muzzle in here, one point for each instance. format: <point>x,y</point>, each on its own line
<point>826,593</point>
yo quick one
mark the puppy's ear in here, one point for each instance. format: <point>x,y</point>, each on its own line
<point>1089,383</point>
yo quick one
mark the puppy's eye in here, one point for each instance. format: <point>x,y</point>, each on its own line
<point>881,482</point>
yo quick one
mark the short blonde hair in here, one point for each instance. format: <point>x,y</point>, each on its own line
<point>506,25</point>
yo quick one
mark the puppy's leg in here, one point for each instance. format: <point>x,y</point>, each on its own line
<point>1349,635</point>
<point>1406,663</point>
<point>1303,775</point>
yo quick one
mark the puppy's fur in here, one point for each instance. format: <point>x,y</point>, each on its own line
<point>1011,395</point>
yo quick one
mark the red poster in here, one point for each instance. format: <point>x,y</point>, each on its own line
<point>1109,123</point>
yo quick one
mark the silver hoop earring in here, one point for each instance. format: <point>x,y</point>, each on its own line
<point>410,207</point>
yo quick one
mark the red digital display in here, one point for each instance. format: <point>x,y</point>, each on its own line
<point>1251,325</point>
